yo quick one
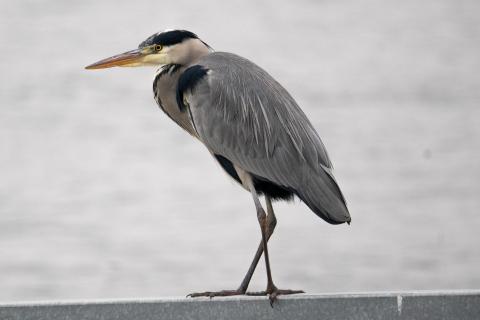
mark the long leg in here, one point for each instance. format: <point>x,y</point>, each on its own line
<point>267,225</point>
<point>271,223</point>
<point>242,289</point>
<point>262,220</point>
<point>271,290</point>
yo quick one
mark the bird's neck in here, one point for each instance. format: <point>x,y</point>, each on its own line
<point>190,51</point>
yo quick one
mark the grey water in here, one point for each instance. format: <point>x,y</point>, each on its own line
<point>102,196</point>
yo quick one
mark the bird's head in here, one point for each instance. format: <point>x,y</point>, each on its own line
<point>167,47</point>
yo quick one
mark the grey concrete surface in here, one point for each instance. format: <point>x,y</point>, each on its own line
<point>405,305</point>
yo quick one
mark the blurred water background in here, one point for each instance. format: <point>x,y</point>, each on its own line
<point>102,196</point>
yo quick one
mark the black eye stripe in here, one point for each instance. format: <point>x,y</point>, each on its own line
<point>168,38</point>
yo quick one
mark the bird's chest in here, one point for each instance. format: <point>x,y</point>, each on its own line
<point>164,90</point>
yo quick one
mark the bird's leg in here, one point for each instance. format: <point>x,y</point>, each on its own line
<point>271,223</point>
<point>272,291</point>
<point>242,289</point>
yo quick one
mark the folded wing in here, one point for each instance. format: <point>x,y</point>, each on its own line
<point>242,114</point>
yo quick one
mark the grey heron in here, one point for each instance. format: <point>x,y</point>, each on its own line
<point>250,124</point>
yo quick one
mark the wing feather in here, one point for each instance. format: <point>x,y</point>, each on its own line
<point>241,113</point>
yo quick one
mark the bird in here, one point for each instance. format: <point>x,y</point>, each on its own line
<point>249,123</point>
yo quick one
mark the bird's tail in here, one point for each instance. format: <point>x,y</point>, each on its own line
<point>323,196</point>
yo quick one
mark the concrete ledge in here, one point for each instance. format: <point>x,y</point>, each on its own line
<point>405,305</point>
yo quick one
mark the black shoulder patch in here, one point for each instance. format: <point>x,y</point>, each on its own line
<point>187,81</point>
<point>168,38</point>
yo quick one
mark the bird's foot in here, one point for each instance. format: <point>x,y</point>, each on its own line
<point>222,293</point>
<point>273,292</point>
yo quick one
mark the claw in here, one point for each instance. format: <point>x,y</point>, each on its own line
<point>211,294</point>
<point>273,293</point>
<point>272,297</point>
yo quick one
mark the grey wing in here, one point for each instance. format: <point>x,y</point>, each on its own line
<point>241,113</point>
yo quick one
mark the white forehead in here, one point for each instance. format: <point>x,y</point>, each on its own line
<point>166,30</point>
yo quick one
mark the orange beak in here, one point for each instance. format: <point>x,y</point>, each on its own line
<point>127,59</point>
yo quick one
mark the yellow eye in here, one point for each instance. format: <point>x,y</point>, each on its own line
<point>158,47</point>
